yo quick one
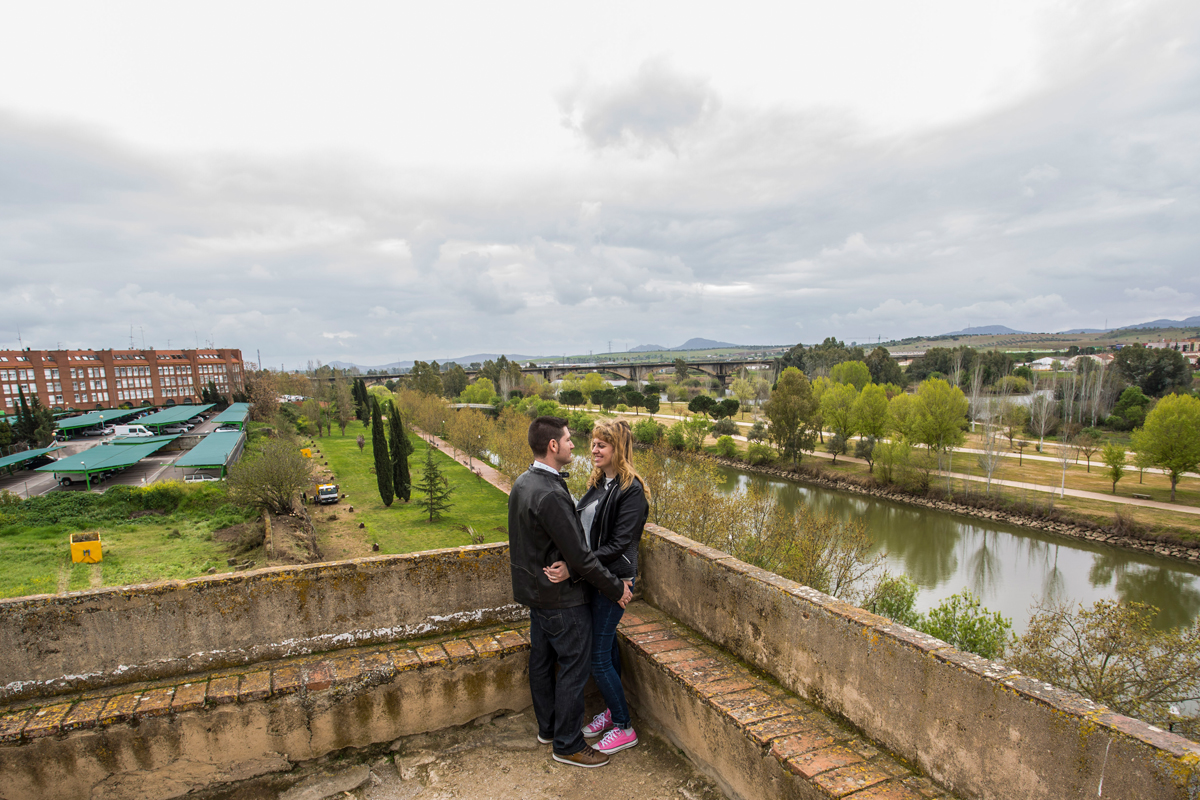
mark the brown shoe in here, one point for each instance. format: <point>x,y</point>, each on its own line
<point>587,757</point>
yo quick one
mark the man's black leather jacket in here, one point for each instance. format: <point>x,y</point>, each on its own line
<point>542,529</point>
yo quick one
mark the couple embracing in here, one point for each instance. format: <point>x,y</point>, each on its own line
<point>574,565</point>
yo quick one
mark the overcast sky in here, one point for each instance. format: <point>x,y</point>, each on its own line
<point>382,181</point>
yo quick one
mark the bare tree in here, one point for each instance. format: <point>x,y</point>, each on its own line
<point>271,479</point>
<point>1041,411</point>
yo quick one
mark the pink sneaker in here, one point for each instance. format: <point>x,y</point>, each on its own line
<point>617,739</point>
<point>599,724</point>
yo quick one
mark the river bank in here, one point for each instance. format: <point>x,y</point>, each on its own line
<point>1052,522</point>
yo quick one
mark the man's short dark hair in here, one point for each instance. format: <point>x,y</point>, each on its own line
<point>541,431</point>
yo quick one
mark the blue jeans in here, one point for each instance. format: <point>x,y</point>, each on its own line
<point>560,636</point>
<point>606,657</point>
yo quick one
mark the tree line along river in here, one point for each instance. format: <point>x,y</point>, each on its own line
<point>1009,568</point>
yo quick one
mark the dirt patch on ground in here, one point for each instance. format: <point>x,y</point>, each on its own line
<point>149,512</point>
<point>497,758</point>
<point>340,538</point>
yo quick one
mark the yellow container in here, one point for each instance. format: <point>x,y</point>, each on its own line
<point>307,453</point>
<point>85,548</point>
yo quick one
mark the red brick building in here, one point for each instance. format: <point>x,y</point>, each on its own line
<point>108,378</point>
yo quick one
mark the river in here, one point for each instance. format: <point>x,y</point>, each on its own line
<point>1008,567</point>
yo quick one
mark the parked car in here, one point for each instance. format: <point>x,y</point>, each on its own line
<point>91,432</point>
<point>199,477</point>
<point>109,431</point>
<point>227,429</point>
<point>175,429</point>
<point>196,420</point>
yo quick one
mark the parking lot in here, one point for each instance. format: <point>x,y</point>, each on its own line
<point>157,467</point>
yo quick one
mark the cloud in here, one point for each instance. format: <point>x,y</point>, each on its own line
<point>654,109</point>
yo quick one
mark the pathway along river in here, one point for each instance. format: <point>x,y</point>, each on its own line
<point>1008,567</point>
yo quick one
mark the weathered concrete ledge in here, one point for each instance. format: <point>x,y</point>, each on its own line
<point>161,740</point>
<point>977,727</point>
<point>743,730</point>
<point>50,644</point>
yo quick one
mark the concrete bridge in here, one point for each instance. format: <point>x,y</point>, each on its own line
<point>630,371</point>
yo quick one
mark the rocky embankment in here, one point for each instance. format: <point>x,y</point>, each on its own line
<point>1076,530</point>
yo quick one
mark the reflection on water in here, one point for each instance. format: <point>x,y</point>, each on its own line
<point>1010,568</point>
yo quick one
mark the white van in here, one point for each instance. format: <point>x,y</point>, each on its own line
<point>133,430</point>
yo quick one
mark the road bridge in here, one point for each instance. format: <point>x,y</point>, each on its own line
<point>723,369</point>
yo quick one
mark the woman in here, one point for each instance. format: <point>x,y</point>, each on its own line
<point>613,512</point>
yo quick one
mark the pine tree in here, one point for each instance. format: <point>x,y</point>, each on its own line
<point>400,448</point>
<point>434,486</point>
<point>383,464</point>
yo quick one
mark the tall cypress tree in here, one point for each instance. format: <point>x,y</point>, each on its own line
<point>400,447</point>
<point>434,486</point>
<point>383,464</point>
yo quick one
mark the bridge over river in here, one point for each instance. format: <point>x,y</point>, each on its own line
<point>723,369</point>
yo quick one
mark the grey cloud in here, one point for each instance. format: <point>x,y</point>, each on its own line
<point>655,108</point>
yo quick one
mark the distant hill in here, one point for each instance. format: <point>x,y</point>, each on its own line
<point>648,348</point>
<point>404,366</point>
<point>703,344</point>
<point>984,330</point>
<point>1165,323</point>
<point>1080,330</point>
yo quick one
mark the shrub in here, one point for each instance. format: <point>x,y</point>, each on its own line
<point>622,407</point>
<point>581,422</point>
<point>677,436</point>
<point>726,446</point>
<point>725,427</point>
<point>648,431</point>
<point>759,454</point>
<point>758,432</point>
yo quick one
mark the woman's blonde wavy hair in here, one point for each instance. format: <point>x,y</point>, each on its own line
<point>617,434</point>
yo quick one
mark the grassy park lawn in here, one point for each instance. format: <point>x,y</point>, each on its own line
<point>402,528</point>
<point>157,545</point>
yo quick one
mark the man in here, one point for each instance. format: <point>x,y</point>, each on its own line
<point>542,529</point>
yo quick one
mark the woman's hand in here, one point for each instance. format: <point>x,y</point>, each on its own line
<point>557,572</point>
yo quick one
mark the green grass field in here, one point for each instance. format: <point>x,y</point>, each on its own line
<point>404,527</point>
<point>171,538</point>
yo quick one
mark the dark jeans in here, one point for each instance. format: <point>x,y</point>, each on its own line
<point>606,657</point>
<point>562,636</point>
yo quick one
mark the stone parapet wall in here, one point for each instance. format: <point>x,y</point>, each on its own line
<point>165,739</point>
<point>51,644</point>
<point>975,726</point>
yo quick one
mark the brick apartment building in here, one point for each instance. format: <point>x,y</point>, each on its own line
<point>85,379</point>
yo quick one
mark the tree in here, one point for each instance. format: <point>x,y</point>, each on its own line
<point>870,411</point>
<point>864,448</point>
<point>434,486</point>
<point>651,402</point>
<point>361,442</point>
<point>1114,654</point>
<point>426,378</point>
<point>383,464</point>
<point>454,380</point>
<point>262,393</point>
<point>701,404</point>
<point>1088,441</point>
<point>1156,371</point>
<point>941,413</point>
<point>343,401</point>
<point>837,410</point>
<point>902,415</point>
<point>632,396</point>
<point>399,449</point>
<point>1170,439</point>
<point>481,391</point>
<point>1130,410</point>
<point>790,412</point>
<point>743,391</point>
<point>724,409</point>
<point>1114,460</point>
<point>272,478</point>
<point>571,397</point>
<point>854,373</point>
<point>1013,417</point>
<point>362,401</point>
<point>681,370</point>
<point>468,430</point>
<point>884,368</point>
